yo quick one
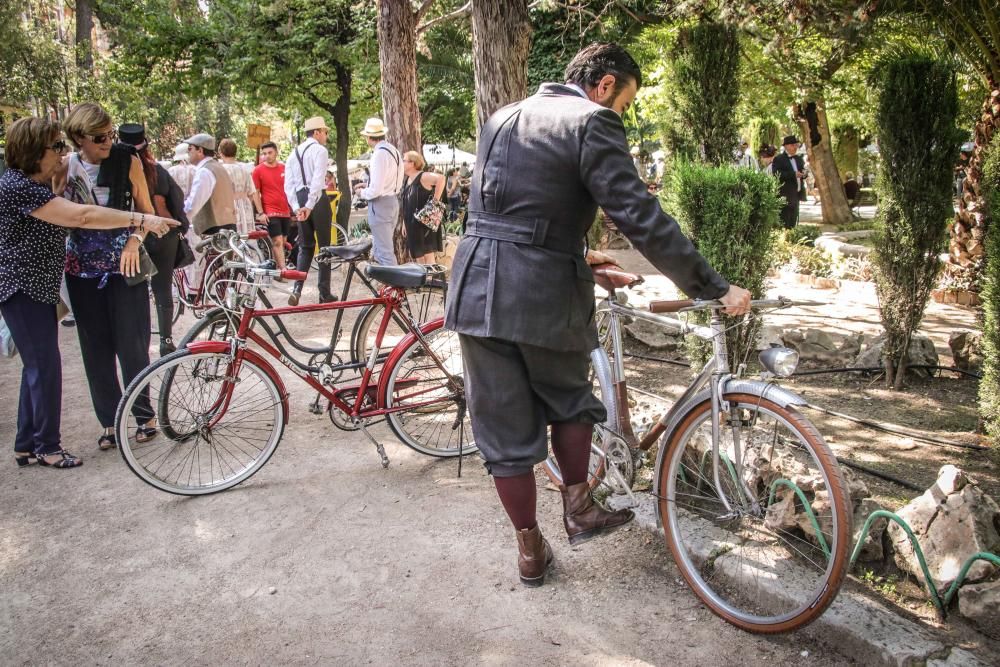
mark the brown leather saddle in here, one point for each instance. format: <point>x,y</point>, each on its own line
<point>611,277</point>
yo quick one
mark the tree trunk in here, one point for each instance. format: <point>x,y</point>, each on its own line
<point>84,30</point>
<point>501,40</point>
<point>968,230</point>
<point>341,117</point>
<point>811,117</point>
<point>397,55</point>
<point>846,147</point>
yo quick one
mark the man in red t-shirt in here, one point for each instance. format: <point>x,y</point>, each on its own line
<point>269,179</point>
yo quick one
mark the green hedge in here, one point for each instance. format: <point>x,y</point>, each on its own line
<point>729,214</point>
<point>989,386</point>
<point>918,143</point>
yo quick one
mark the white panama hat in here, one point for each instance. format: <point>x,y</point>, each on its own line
<point>374,127</point>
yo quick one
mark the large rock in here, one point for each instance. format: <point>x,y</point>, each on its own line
<point>921,353</point>
<point>819,346</point>
<point>952,520</point>
<point>872,548</point>
<point>966,349</point>
<point>654,336</point>
<point>980,603</point>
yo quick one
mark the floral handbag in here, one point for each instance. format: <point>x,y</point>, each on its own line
<point>431,215</point>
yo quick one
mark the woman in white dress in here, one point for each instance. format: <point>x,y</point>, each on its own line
<point>247,198</point>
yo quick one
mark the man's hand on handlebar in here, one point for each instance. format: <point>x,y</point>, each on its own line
<point>736,300</point>
<point>595,257</point>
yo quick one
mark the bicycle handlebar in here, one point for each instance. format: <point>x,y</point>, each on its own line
<point>688,305</point>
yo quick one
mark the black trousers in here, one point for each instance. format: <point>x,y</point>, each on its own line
<point>316,228</point>
<point>35,332</point>
<point>163,252</point>
<point>790,213</point>
<point>113,323</point>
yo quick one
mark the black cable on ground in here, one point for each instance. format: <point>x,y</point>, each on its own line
<point>879,473</point>
<point>896,430</point>
<point>645,357</point>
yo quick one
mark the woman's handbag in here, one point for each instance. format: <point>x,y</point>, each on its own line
<point>185,256</point>
<point>431,215</point>
<point>146,269</point>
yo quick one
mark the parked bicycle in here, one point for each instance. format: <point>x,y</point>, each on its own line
<point>754,507</point>
<point>222,407</point>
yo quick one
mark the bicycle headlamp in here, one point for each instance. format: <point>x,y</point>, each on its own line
<point>781,361</point>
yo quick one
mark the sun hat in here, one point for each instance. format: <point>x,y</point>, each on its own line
<point>316,123</point>
<point>180,153</point>
<point>201,140</point>
<point>374,127</point>
<point>790,139</point>
<point>132,134</point>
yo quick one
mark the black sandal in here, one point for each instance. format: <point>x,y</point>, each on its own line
<point>145,433</point>
<point>24,458</point>
<point>107,441</point>
<point>67,460</point>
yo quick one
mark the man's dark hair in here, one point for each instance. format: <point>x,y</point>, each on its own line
<point>269,144</point>
<point>601,58</point>
<point>208,152</point>
<point>309,133</point>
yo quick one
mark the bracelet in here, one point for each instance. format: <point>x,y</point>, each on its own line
<point>142,222</point>
<point>137,238</point>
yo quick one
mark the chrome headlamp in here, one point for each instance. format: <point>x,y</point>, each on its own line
<point>780,361</point>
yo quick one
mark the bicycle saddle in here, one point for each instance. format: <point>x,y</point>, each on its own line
<point>404,275</point>
<point>348,252</point>
<point>611,276</point>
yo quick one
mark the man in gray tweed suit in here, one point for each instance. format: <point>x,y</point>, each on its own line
<point>522,294</point>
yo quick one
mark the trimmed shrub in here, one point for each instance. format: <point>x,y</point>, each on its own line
<point>763,131</point>
<point>989,386</point>
<point>730,215</point>
<point>705,84</point>
<point>918,141</point>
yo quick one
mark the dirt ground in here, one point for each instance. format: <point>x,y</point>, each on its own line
<point>324,557</point>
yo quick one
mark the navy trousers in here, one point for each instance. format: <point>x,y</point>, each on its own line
<point>35,331</point>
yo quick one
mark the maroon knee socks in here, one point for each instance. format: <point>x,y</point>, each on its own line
<point>571,445</point>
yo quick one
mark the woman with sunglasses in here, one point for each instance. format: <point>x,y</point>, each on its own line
<point>112,316</point>
<point>33,224</point>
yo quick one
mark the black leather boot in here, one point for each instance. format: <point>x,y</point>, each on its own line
<point>293,298</point>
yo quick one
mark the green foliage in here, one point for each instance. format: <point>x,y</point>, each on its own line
<point>989,386</point>
<point>846,140</point>
<point>918,141</point>
<point>763,131</point>
<point>730,215</point>
<point>705,67</point>
<point>802,234</point>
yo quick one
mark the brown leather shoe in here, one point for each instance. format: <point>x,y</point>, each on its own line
<point>584,518</point>
<point>293,298</point>
<point>534,555</point>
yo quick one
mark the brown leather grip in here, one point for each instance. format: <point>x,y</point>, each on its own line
<point>669,306</point>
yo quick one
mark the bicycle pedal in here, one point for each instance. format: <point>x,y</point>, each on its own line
<point>315,408</point>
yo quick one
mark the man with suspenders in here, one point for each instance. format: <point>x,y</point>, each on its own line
<point>382,191</point>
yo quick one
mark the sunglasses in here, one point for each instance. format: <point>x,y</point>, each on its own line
<point>59,146</point>
<point>101,138</point>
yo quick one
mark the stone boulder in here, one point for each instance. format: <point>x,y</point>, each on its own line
<point>952,520</point>
<point>966,349</point>
<point>824,347</point>
<point>921,353</point>
<point>872,549</point>
<point>980,603</point>
<point>654,336</point>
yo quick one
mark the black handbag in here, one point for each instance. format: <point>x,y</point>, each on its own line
<point>185,256</point>
<point>146,269</point>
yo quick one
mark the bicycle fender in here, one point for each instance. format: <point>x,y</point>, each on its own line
<point>397,352</point>
<point>216,346</point>
<point>772,392</point>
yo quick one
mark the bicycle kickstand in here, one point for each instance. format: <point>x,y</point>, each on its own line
<point>378,447</point>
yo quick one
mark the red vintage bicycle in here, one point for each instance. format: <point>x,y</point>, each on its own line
<point>222,407</point>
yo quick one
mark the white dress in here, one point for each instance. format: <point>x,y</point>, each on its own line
<point>243,188</point>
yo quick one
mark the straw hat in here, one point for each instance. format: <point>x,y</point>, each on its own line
<point>180,153</point>
<point>374,127</point>
<point>316,123</point>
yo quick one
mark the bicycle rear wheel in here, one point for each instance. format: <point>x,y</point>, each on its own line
<point>424,304</point>
<point>436,421</point>
<point>207,441</point>
<point>766,545</point>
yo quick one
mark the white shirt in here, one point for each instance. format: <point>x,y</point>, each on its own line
<point>579,91</point>
<point>387,172</point>
<point>201,189</point>
<point>183,174</point>
<point>315,160</point>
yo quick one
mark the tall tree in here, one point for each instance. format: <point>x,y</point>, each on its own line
<point>501,39</point>
<point>397,49</point>
<point>84,33</point>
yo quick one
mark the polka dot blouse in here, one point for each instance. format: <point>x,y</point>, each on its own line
<point>32,252</point>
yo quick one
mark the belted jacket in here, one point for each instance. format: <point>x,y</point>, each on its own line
<point>543,166</point>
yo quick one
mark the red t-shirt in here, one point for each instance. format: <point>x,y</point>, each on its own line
<point>270,183</point>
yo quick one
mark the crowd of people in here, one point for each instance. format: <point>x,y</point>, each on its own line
<point>78,203</point>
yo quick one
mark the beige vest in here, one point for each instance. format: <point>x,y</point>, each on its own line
<point>221,206</point>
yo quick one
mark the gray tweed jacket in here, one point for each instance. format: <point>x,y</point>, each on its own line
<point>542,168</point>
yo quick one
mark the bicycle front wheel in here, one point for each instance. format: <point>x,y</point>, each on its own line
<point>762,534</point>
<point>216,427</point>
<point>434,420</point>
